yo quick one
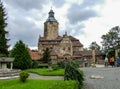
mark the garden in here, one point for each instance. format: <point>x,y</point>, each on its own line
<point>73,78</point>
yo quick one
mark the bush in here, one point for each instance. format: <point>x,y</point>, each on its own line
<point>75,63</point>
<point>73,73</point>
<point>43,65</point>
<point>55,66</point>
<point>34,64</point>
<point>61,64</point>
<point>23,76</point>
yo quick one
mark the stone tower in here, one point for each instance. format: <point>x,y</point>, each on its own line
<point>51,27</point>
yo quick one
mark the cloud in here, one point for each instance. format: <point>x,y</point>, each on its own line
<point>58,3</point>
<point>76,14</point>
<point>23,29</point>
<point>84,11</point>
<point>23,24</point>
<point>91,3</point>
<point>26,4</point>
<point>75,30</point>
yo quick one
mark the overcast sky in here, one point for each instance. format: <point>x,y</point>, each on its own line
<point>86,20</point>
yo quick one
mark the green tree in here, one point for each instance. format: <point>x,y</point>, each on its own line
<point>46,56</point>
<point>22,57</point>
<point>3,32</point>
<point>96,46</point>
<point>72,72</point>
<point>111,40</point>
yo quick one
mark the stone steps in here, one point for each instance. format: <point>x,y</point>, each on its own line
<point>9,73</point>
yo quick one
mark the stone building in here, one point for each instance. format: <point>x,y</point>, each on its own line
<point>63,47</point>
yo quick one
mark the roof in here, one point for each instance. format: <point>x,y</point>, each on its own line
<point>43,39</point>
<point>50,42</point>
<point>76,42</point>
<point>51,17</point>
<point>6,59</point>
<point>34,55</point>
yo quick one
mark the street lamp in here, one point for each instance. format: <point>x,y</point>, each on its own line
<point>93,53</point>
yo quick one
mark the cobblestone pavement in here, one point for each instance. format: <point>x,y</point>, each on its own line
<point>111,78</point>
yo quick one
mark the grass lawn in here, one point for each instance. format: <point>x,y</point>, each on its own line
<point>37,84</point>
<point>45,72</point>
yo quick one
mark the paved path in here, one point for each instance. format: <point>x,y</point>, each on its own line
<point>111,78</point>
<point>36,76</point>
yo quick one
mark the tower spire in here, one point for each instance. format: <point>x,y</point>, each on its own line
<point>51,7</point>
<point>51,17</point>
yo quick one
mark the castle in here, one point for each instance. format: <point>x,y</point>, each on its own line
<point>61,46</point>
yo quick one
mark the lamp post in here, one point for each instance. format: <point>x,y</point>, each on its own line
<point>93,53</point>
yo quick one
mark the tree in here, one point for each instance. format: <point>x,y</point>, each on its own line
<point>3,32</point>
<point>111,40</point>
<point>97,47</point>
<point>22,57</point>
<point>72,72</point>
<point>46,56</point>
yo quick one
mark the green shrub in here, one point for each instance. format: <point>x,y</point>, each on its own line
<point>55,66</point>
<point>62,64</point>
<point>3,55</point>
<point>34,64</point>
<point>73,73</point>
<point>43,65</point>
<point>23,76</point>
<point>75,63</point>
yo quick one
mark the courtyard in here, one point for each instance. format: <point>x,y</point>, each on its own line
<point>110,78</point>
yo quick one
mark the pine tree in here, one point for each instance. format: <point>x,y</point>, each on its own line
<point>22,57</point>
<point>46,56</point>
<point>3,33</point>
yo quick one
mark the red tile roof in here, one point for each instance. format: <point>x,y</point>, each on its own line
<point>34,55</point>
<point>56,41</point>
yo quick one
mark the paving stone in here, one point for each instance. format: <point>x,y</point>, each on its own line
<point>111,78</point>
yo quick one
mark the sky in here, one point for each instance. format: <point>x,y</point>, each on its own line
<point>87,20</point>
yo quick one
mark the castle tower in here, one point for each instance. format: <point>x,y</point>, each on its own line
<point>51,27</point>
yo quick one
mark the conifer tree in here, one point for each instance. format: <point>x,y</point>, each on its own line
<point>22,57</point>
<point>3,32</point>
<point>46,56</point>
